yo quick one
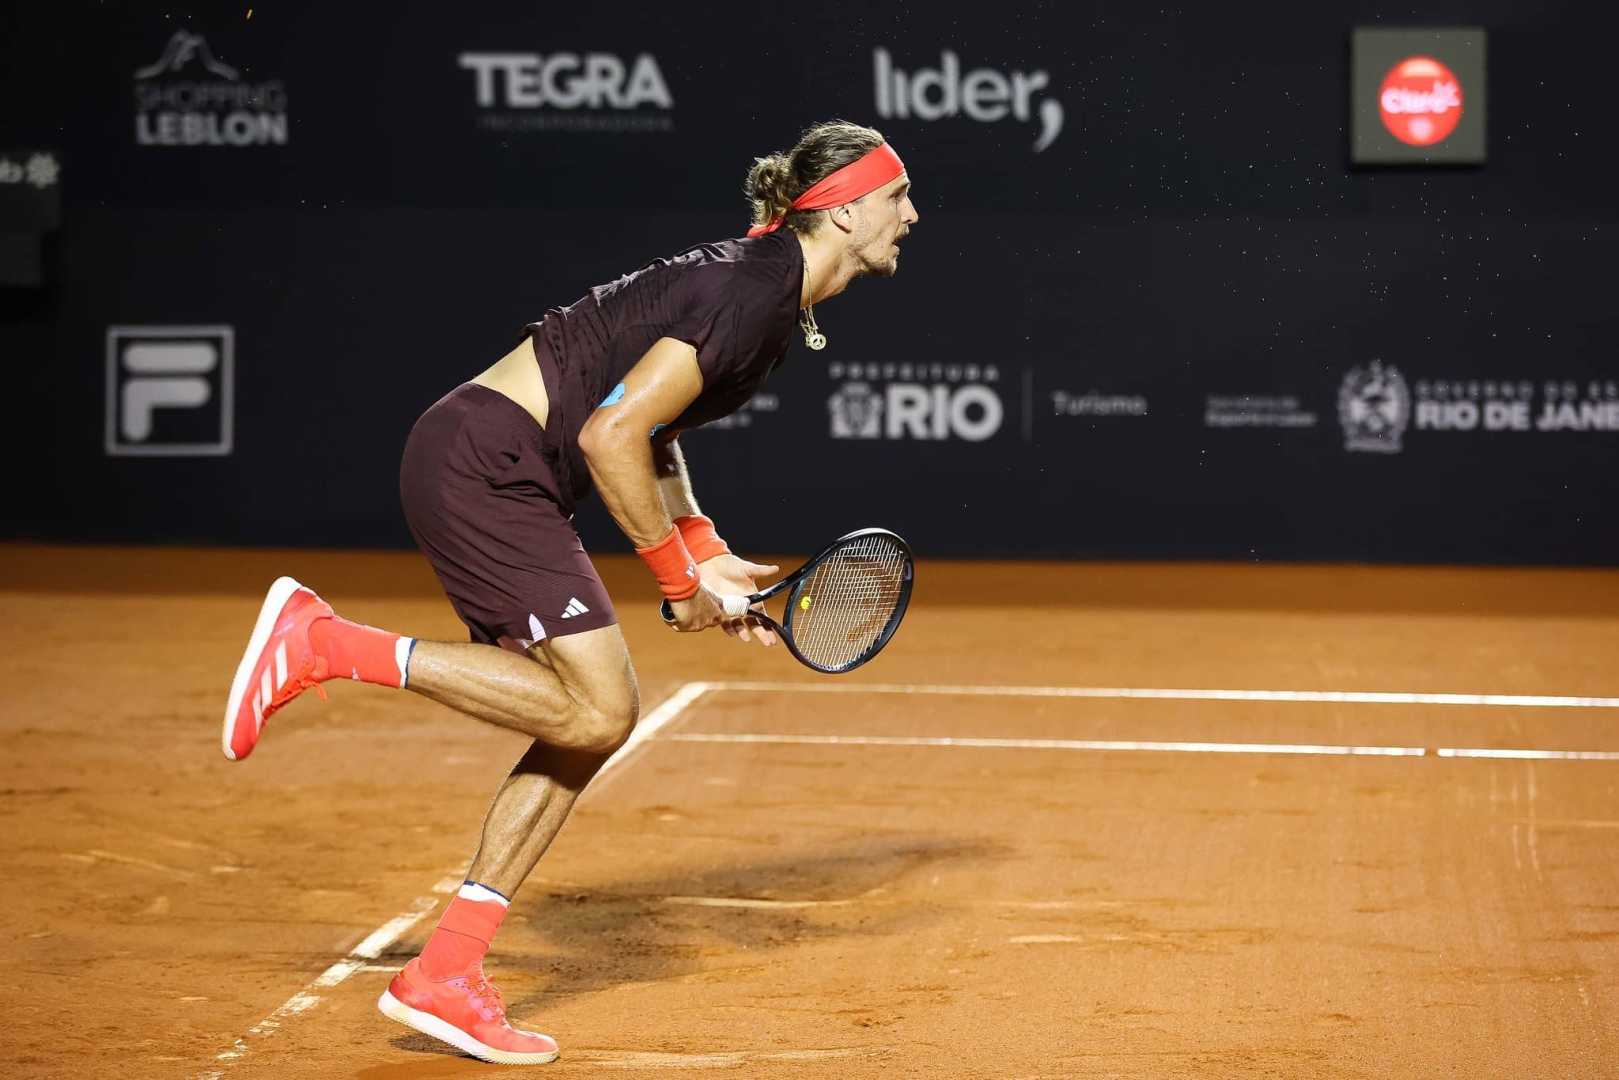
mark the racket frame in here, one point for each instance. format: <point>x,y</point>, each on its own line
<point>740,606</point>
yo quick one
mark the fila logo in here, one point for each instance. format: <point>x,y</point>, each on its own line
<point>265,690</point>
<point>169,390</point>
<point>575,607</point>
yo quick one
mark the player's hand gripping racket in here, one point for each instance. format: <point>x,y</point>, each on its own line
<point>842,606</point>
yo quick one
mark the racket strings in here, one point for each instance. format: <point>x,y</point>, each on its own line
<point>848,601</point>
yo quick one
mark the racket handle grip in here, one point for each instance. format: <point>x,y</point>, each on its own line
<point>735,607</point>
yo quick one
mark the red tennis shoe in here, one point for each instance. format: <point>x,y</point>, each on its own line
<point>465,1012</point>
<point>279,664</point>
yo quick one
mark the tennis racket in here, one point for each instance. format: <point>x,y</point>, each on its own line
<point>842,606</point>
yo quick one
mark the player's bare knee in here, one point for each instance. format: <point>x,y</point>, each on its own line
<point>603,729</point>
<point>604,724</point>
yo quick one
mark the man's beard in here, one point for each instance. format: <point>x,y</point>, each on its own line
<point>887,268</point>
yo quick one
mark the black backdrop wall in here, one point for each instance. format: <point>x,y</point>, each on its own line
<point>1150,310</point>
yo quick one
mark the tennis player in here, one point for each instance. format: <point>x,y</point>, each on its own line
<point>595,394</point>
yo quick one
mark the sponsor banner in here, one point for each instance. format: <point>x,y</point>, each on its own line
<point>1377,404</point>
<point>962,402</point>
<point>929,402</point>
<point>29,185</point>
<point>30,207</point>
<point>1420,101</point>
<point>1059,412</point>
<point>1374,407</point>
<point>1256,411</point>
<point>169,391</point>
<point>984,95</point>
<point>569,91</point>
<point>190,97</point>
<point>1379,407</point>
<point>1040,396</point>
<point>1573,406</point>
<point>1093,404</point>
<point>1417,96</point>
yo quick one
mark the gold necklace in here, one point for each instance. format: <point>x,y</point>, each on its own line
<point>806,317</point>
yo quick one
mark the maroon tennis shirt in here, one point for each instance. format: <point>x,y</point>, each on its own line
<point>734,301</point>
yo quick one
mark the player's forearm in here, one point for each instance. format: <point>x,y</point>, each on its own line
<point>674,482</point>
<point>617,439</point>
<point>622,468</point>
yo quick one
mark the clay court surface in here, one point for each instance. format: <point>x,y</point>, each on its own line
<point>783,882</point>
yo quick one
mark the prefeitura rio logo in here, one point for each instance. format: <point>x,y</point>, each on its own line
<point>1420,101</point>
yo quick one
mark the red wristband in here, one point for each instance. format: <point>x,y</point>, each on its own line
<point>672,565</point>
<point>700,538</point>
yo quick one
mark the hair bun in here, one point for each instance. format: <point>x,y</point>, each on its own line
<point>768,188</point>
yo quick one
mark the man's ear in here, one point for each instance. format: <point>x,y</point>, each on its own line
<point>842,216</point>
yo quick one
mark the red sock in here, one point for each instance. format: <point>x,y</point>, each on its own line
<point>353,651</point>
<point>464,933</point>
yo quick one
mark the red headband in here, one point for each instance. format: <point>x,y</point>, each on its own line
<point>847,184</point>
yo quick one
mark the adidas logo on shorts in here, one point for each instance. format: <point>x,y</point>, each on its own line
<point>575,607</point>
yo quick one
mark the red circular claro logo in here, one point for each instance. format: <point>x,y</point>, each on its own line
<point>1420,100</point>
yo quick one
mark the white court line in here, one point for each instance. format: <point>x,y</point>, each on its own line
<point>649,725</point>
<point>1329,697</point>
<point>1168,747</point>
<point>683,697</point>
<point>1530,755</point>
<point>1055,744</point>
<point>360,957</point>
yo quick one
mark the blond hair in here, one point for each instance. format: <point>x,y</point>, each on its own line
<point>822,149</point>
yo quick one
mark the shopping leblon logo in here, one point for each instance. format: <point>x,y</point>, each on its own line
<point>569,91</point>
<point>915,401</point>
<point>189,97</point>
<point>986,95</point>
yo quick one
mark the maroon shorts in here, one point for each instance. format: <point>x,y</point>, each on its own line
<point>483,505</point>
